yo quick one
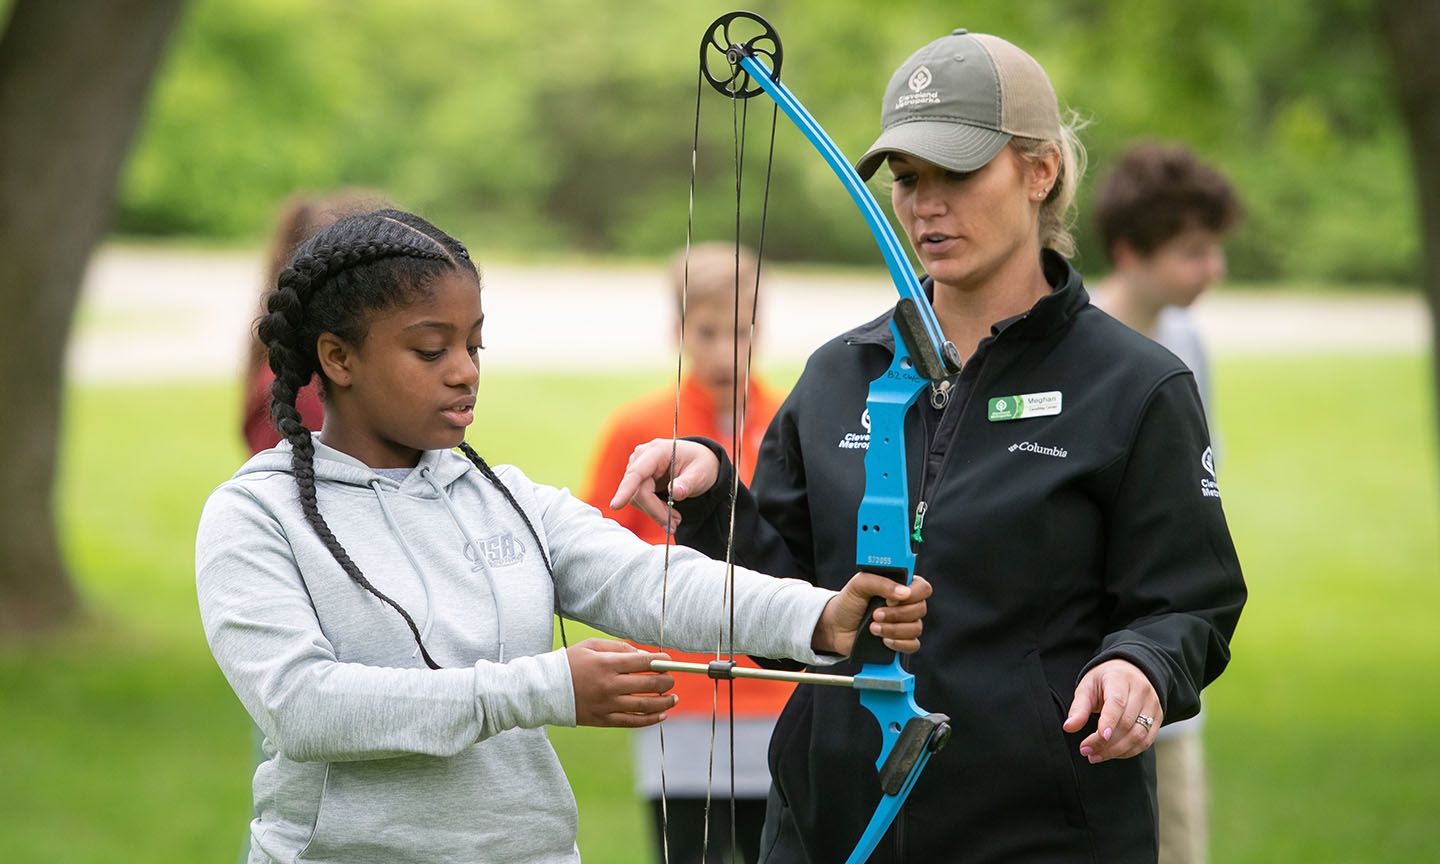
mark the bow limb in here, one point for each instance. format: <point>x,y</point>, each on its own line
<point>935,356</point>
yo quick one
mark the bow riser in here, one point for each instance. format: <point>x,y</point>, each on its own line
<point>882,539</point>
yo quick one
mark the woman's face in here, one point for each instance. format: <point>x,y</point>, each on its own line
<point>967,227</point>
<point>411,384</point>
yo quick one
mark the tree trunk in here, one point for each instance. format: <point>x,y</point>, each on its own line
<point>74,75</point>
<point>1412,31</point>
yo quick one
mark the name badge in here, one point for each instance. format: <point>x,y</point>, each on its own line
<point>1024,405</point>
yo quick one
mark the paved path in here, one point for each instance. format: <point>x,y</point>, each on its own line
<point>166,314</point>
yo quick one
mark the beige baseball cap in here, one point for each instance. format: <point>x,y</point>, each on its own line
<point>957,102</point>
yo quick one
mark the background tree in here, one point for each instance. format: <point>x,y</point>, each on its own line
<point>546,127</point>
<point>73,81</point>
<point>1412,30</point>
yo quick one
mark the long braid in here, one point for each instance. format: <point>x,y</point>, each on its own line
<point>304,304</point>
<point>304,462</point>
<point>489,474</point>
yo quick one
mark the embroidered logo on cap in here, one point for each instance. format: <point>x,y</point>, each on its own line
<point>918,95</point>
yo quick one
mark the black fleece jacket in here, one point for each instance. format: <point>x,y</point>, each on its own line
<point>1053,542</point>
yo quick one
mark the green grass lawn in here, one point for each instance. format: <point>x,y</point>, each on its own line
<point>120,741</point>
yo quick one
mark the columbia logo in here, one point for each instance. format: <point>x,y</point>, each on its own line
<point>1043,450</point>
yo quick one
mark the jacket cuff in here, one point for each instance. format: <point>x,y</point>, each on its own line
<point>796,610</point>
<point>703,506</point>
<point>1145,658</point>
<point>524,693</point>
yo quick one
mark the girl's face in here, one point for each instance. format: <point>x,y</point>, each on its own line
<point>967,227</point>
<point>410,385</point>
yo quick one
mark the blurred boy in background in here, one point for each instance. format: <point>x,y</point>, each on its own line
<point>1163,217</point>
<point>716,351</point>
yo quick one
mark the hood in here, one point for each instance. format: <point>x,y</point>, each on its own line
<point>436,472</point>
<point>446,466</point>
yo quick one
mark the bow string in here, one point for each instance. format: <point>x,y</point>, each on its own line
<point>909,734</point>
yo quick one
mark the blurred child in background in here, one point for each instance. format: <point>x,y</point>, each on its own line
<point>716,353</point>
<point>1163,217</point>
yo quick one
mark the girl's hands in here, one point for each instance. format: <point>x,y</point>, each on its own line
<point>1125,699</point>
<point>614,685</point>
<point>646,476</point>
<point>897,622</point>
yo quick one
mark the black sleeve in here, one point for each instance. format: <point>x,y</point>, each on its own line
<point>780,493</point>
<point>772,529</point>
<point>1171,569</point>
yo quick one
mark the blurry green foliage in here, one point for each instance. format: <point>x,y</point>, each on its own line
<point>560,125</point>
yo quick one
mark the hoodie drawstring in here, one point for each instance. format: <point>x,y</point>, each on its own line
<point>424,581</point>
<point>478,558</point>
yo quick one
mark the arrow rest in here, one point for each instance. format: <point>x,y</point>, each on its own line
<point>737,84</point>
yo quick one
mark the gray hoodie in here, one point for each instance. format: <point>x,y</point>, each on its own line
<point>372,756</point>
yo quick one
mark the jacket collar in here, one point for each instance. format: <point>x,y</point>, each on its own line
<point>1050,313</point>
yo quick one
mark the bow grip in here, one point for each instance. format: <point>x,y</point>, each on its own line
<point>868,647</point>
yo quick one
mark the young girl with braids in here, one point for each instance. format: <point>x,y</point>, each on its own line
<point>382,604</point>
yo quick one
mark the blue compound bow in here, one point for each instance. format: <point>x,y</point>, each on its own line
<point>909,734</point>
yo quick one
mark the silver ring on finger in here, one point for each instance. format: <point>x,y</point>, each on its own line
<point>1147,722</point>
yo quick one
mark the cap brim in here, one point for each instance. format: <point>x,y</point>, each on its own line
<point>953,146</point>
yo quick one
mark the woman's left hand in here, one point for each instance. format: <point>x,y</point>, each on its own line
<point>1125,699</point>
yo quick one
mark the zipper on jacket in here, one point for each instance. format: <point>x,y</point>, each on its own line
<point>941,399</point>
<point>983,357</point>
<point>940,394</point>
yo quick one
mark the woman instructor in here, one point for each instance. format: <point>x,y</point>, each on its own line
<point>1085,584</point>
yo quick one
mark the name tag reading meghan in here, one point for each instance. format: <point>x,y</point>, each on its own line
<point>1024,405</point>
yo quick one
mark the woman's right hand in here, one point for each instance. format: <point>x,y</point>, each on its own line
<point>614,685</point>
<point>648,473</point>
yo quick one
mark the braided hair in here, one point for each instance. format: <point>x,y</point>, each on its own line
<point>352,268</point>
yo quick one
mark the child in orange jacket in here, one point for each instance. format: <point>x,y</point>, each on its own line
<point>713,339</point>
